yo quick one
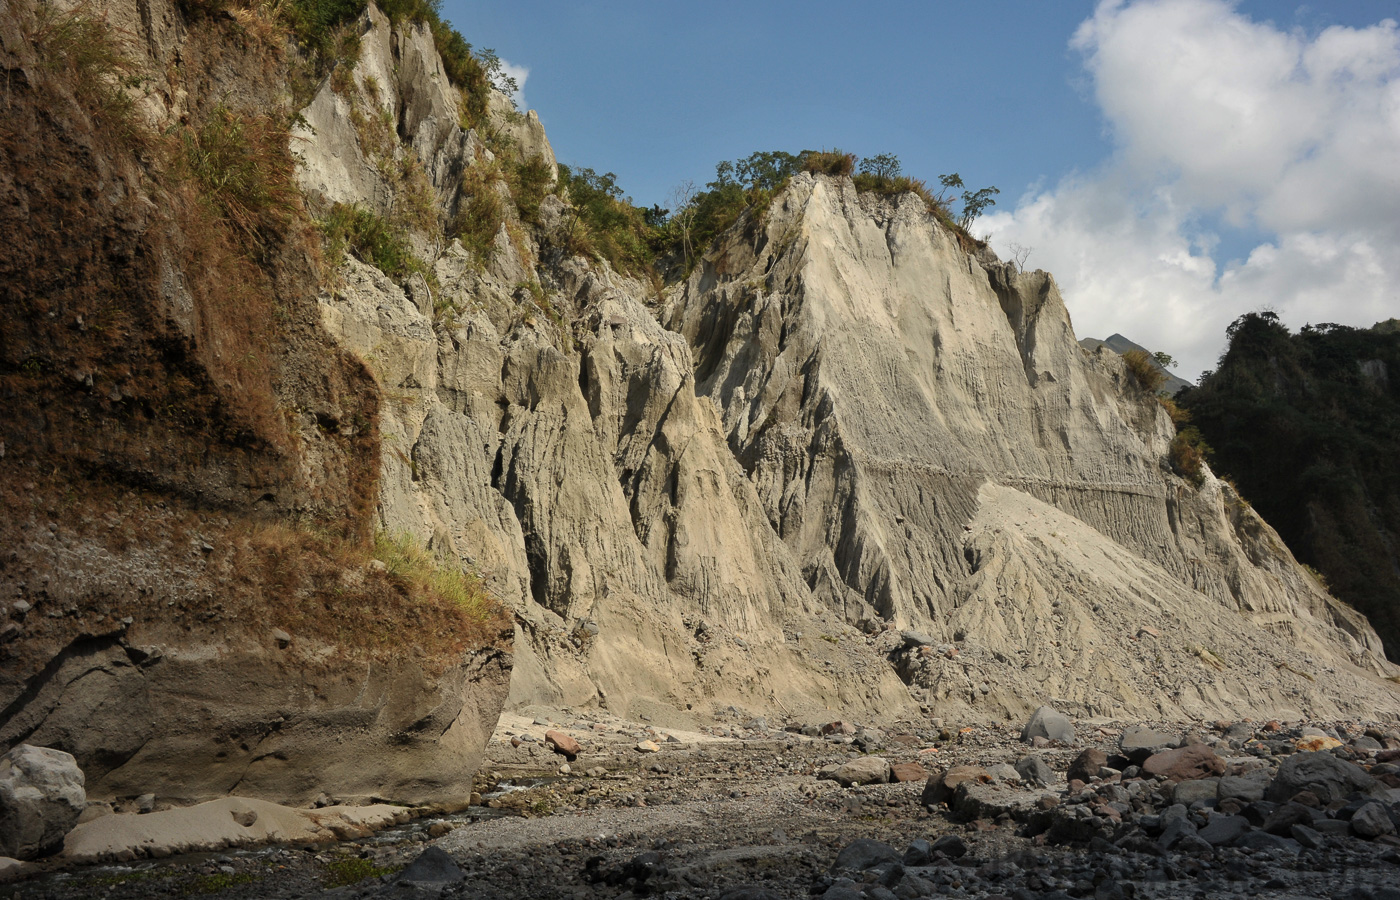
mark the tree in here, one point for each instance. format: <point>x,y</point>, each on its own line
<point>1019,255</point>
<point>974,202</point>
<point>1164,359</point>
<point>884,166</point>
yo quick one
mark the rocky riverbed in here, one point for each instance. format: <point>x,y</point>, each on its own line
<point>746,808</point>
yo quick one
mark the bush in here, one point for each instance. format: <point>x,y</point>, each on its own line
<point>602,220</point>
<point>1144,370</point>
<point>478,221</point>
<point>529,183</point>
<point>1188,455</point>
<point>85,47</point>
<point>244,171</point>
<point>371,238</point>
<point>828,162</point>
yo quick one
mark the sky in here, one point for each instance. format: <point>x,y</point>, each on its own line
<point>1173,163</point>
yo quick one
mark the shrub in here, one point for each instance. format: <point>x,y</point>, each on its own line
<point>604,221</point>
<point>1144,369</point>
<point>828,162</point>
<point>244,171</point>
<point>371,238</point>
<point>1188,455</point>
<point>478,221</point>
<point>529,183</point>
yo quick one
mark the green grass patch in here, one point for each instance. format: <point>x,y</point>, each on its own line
<point>372,238</point>
<point>416,569</point>
<point>345,872</point>
<point>244,172</point>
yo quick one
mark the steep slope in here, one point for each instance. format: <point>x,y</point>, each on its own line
<point>879,385</point>
<point>188,462</point>
<point>1308,426</point>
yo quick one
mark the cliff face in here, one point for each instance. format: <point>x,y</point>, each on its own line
<point>842,423</point>
<point>188,462</point>
<point>846,466</point>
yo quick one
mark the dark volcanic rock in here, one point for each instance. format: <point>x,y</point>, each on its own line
<point>1330,778</point>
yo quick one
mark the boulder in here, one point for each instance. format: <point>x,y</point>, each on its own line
<point>862,770</point>
<point>1372,821</point>
<point>1199,790</point>
<point>1035,771</point>
<point>941,785</point>
<point>1185,764</point>
<point>433,866</point>
<point>1221,830</point>
<point>864,854</point>
<point>1249,787</point>
<point>563,744</point>
<point>1330,778</point>
<point>1087,765</point>
<point>1138,743</point>
<point>905,772</point>
<point>1047,723</point>
<point>41,797</point>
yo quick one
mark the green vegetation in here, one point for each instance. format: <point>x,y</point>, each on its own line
<point>371,238</point>
<point>603,221</point>
<point>1308,425</point>
<point>345,872</point>
<point>529,183</point>
<point>418,572</point>
<point>1188,455</point>
<point>244,172</point>
<point>479,220</point>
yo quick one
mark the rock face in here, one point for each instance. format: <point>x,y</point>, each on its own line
<point>937,451</point>
<point>189,471</point>
<point>41,797</point>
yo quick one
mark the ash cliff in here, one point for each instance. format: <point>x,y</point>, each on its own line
<point>849,463</point>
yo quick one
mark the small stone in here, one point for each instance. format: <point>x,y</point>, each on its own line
<point>146,803</point>
<point>377,565</point>
<point>648,747</point>
<point>1314,743</point>
<point>1200,790</point>
<point>1221,830</point>
<point>565,769</point>
<point>281,638</point>
<point>839,727</point>
<point>9,631</point>
<point>941,785</point>
<point>244,817</point>
<point>20,608</point>
<point>951,846</point>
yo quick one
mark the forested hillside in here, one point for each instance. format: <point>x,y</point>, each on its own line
<point>1308,427</point>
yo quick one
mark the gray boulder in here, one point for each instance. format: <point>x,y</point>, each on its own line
<point>1372,821</point>
<point>1138,743</point>
<point>1035,771</point>
<point>41,797</point>
<point>865,853</point>
<point>863,770</point>
<point>1330,778</point>
<point>1049,724</point>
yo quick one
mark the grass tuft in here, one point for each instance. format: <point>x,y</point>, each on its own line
<point>417,571</point>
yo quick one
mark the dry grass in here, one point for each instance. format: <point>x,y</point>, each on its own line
<point>82,47</point>
<point>836,163</point>
<point>1188,455</point>
<point>244,171</point>
<point>1144,370</point>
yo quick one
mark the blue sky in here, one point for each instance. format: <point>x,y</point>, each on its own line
<point>1085,116</point>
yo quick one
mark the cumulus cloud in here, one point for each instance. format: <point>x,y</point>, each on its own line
<point>1221,122</point>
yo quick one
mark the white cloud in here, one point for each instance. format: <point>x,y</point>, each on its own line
<point>520,74</point>
<point>1215,117</point>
